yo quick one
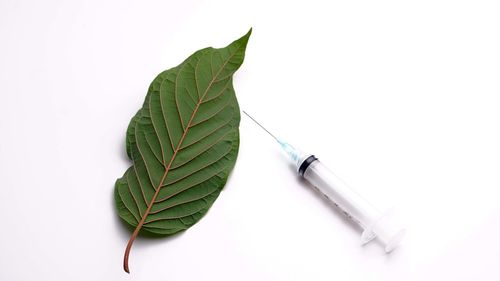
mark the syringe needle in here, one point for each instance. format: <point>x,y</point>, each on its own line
<point>261,126</point>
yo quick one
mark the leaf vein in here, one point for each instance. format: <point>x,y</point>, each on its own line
<point>205,149</point>
<point>127,207</point>
<point>156,132</point>
<point>201,168</point>
<point>163,115</point>
<point>184,202</point>
<point>133,196</point>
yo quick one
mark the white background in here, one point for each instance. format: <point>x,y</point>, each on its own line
<point>399,98</point>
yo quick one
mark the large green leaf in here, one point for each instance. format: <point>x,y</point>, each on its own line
<point>183,143</point>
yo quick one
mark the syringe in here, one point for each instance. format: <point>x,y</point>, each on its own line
<point>374,223</point>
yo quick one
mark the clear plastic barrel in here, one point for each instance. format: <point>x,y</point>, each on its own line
<point>355,207</point>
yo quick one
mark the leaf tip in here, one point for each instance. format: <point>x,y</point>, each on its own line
<point>249,32</point>
<point>243,41</point>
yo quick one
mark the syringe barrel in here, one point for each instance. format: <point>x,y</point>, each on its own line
<point>355,207</point>
<point>334,189</point>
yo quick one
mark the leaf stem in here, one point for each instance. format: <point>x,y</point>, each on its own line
<point>127,250</point>
<point>150,205</point>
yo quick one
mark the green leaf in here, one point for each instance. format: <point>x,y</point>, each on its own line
<point>183,143</point>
